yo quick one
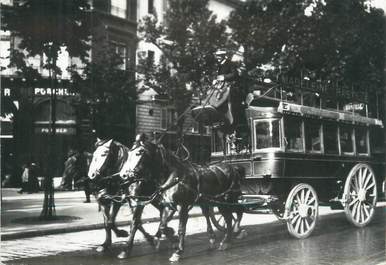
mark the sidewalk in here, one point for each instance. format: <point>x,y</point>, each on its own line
<point>20,212</point>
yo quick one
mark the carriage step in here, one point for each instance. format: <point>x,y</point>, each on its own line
<point>253,201</point>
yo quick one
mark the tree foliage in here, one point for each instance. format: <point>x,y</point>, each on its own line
<point>44,27</point>
<point>188,38</point>
<point>334,40</point>
<point>107,91</point>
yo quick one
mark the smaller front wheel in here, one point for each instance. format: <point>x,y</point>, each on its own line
<point>301,208</point>
<point>219,222</point>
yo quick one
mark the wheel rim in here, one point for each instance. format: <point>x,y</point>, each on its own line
<point>302,210</point>
<point>360,195</point>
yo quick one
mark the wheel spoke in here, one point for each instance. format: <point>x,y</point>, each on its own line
<point>298,200</point>
<point>302,226</point>
<point>298,224</point>
<point>307,197</point>
<point>355,180</point>
<point>369,187</point>
<point>307,224</point>
<point>357,214</point>
<point>366,212</point>
<point>368,177</point>
<point>354,208</point>
<point>361,217</point>
<point>354,201</point>
<point>302,196</point>
<point>311,200</point>
<point>294,219</point>
<point>358,177</point>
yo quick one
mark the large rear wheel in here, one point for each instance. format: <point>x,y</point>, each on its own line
<point>360,195</point>
<point>301,208</point>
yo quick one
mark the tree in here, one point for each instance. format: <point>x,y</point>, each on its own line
<point>44,27</point>
<point>188,38</point>
<point>107,91</point>
<point>334,40</point>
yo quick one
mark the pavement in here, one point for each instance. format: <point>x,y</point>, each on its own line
<point>20,214</point>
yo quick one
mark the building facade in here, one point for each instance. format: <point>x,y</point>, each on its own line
<point>26,115</point>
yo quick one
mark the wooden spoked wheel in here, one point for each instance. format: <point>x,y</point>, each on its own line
<point>218,220</point>
<point>360,195</point>
<point>301,208</point>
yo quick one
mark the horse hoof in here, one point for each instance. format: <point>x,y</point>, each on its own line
<point>122,233</point>
<point>242,234</point>
<point>223,246</point>
<point>101,249</point>
<point>123,255</point>
<point>157,243</point>
<point>175,257</point>
<point>212,242</point>
<point>151,242</point>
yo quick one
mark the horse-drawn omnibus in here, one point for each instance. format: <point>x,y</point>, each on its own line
<point>301,153</point>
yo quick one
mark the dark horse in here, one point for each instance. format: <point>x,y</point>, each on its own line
<point>111,177</point>
<point>188,184</point>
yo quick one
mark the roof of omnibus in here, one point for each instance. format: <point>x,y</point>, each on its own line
<point>306,111</point>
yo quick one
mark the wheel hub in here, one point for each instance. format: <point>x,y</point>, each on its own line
<point>362,195</point>
<point>303,210</point>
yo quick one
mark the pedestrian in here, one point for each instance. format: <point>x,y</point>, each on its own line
<point>33,181</point>
<point>70,171</point>
<point>24,179</point>
<point>82,164</point>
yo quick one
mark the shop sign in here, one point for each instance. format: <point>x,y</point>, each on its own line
<point>59,130</point>
<point>354,107</point>
<point>57,91</point>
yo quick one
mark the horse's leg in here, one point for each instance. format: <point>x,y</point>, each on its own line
<point>237,230</point>
<point>184,214</point>
<point>163,228</point>
<point>114,212</point>
<point>225,243</point>
<point>149,238</point>
<point>107,224</point>
<point>136,222</point>
<point>209,228</point>
<point>166,215</point>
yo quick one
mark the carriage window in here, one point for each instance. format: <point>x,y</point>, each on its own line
<point>293,133</point>
<point>330,140</point>
<point>346,139</point>
<point>312,134</point>
<point>267,134</point>
<point>361,140</point>
<point>217,142</point>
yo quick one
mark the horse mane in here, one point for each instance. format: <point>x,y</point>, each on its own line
<point>170,160</point>
<point>122,152</point>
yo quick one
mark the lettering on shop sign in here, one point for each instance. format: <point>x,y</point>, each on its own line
<point>6,92</point>
<point>354,106</point>
<point>57,91</point>
<point>45,130</point>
